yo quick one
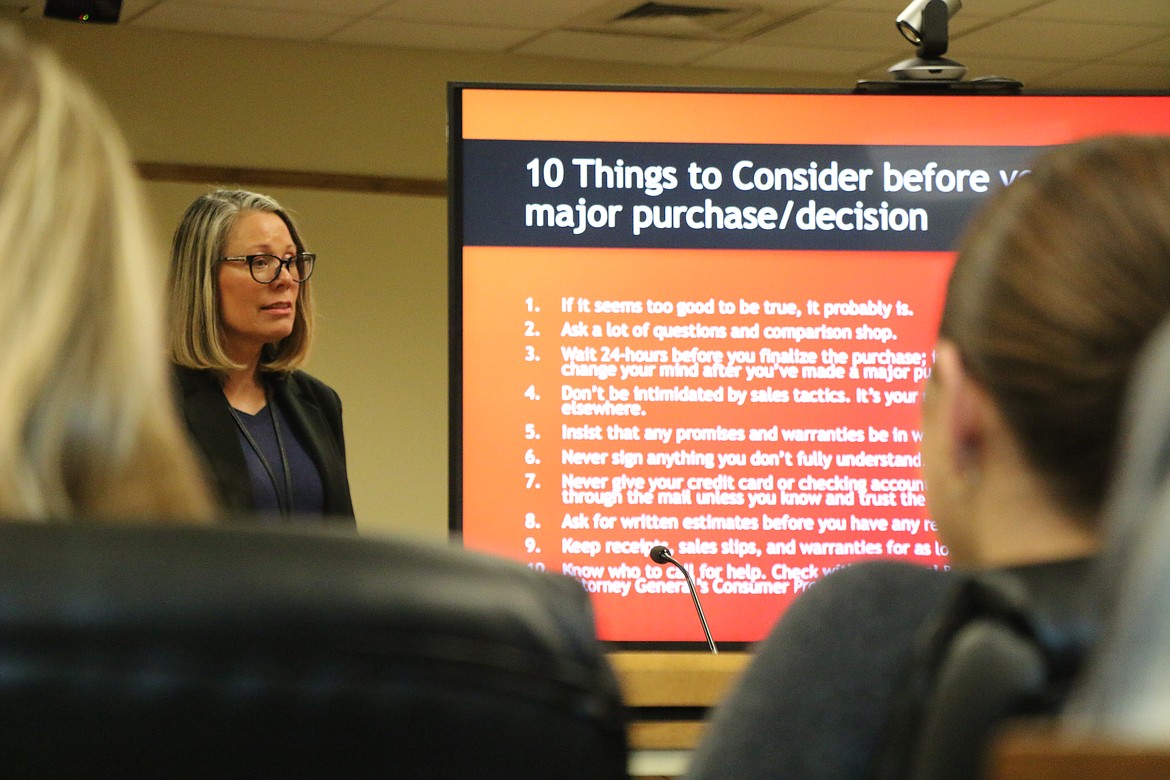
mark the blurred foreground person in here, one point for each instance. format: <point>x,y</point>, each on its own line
<point>1059,282</point>
<point>88,428</point>
<point>1124,696</point>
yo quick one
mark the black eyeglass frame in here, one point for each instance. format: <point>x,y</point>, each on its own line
<point>281,265</point>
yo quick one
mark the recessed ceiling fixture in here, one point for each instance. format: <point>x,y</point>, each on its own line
<point>680,19</point>
<point>660,10</point>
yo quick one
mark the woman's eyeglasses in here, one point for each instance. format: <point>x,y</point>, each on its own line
<point>266,268</point>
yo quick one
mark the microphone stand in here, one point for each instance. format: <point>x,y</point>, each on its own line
<point>660,554</point>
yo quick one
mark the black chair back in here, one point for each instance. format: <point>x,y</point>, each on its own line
<point>1007,645</point>
<point>184,652</point>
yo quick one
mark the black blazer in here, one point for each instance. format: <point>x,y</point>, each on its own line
<point>311,407</point>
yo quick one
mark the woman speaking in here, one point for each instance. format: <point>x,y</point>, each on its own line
<point>241,323</point>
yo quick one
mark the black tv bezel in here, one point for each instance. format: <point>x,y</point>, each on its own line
<point>861,90</point>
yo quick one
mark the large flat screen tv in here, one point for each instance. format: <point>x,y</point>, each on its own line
<point>703,320</point>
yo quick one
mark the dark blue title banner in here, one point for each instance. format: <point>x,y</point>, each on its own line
<point>716,196</point>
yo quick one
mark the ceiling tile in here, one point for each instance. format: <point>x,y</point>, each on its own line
<point>496,13</point>
<point>785,58</point>
<point>1154,53</point>
<point>288,25</point>
<point>1036,40</point>
<point>420,35</point>
<point>130,9</point>
<point>1112,76</point>
<point>890,9</point>
<point>617,48</point>
<point>1138,12</point>
<point>831,29</point>
<point>330,8</point>
<point>783,7</point>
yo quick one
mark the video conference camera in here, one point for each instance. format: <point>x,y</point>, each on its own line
<point>924,23</point>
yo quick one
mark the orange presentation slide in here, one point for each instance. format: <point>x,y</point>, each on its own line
<point>766,432</point>
<point>705,321</point>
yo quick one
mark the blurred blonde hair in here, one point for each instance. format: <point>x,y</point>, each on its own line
<point>88,427</point>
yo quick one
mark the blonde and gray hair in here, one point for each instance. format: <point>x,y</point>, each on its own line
<point>196,327</point>
<point>88,426</point>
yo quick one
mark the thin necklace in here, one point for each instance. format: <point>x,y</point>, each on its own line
<point>283,498</point>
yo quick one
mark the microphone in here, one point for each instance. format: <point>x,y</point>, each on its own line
<point>661,554</point>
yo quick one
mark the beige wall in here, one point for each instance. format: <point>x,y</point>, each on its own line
<point>382,281</point>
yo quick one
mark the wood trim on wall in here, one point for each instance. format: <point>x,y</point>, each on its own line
<point>348,182</point>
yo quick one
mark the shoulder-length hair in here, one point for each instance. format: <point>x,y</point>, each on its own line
<point>196,325</point>
<point>88,426</point>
